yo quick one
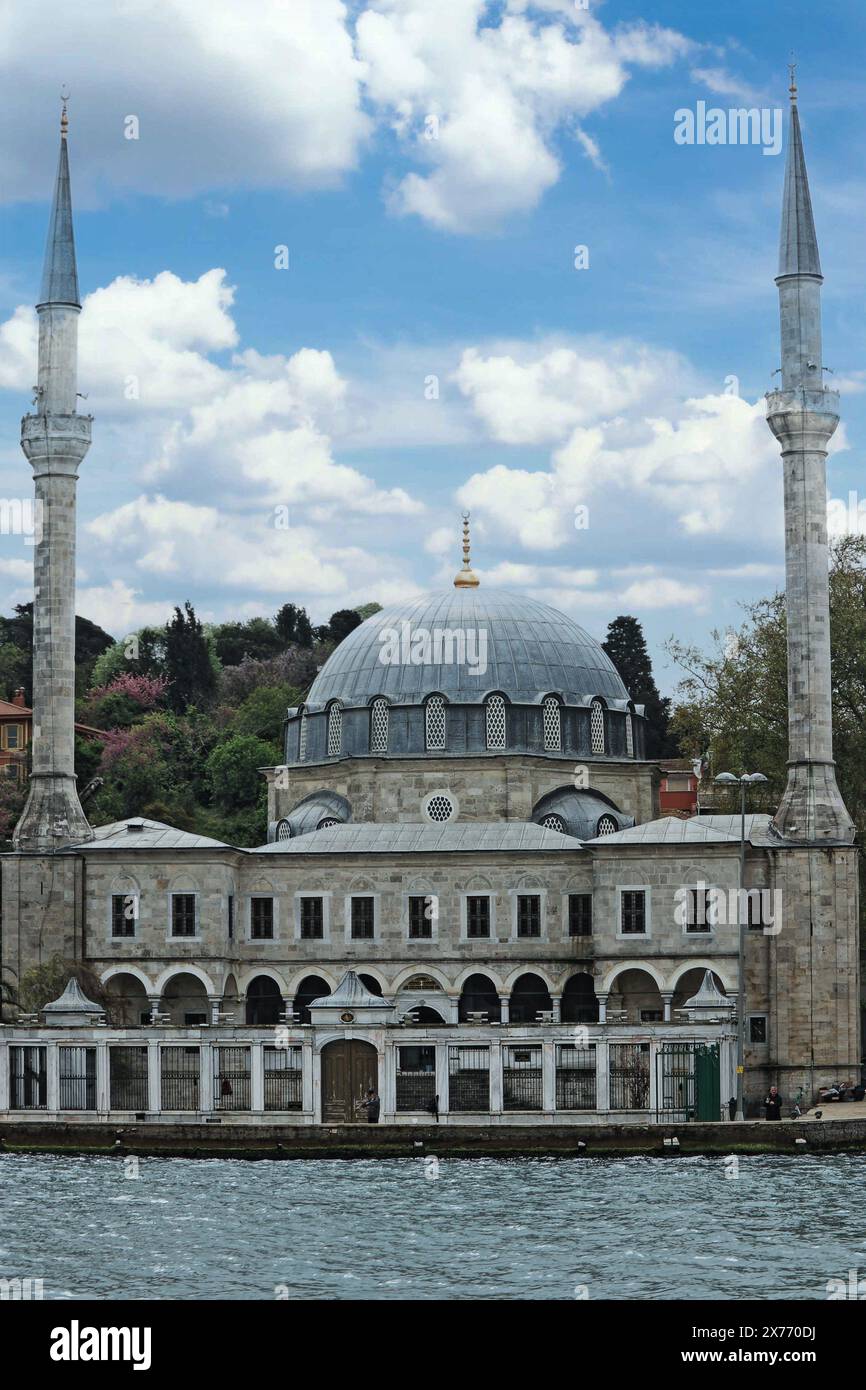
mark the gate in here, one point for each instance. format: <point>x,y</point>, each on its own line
<point>687,1082</point>
<point>350,1068</point>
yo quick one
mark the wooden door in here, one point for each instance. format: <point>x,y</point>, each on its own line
<point>350,1068</point>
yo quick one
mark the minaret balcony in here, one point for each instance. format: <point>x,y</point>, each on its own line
<point>55,443</point>
<point>803,418</point>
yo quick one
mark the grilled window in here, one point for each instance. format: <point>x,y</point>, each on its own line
<point>28,1084</point>
<point>284,830</point>
<point>469,1079</point>
<point>754,907</point>
<point>528,915</point>
<point>124,912</point>
<point>416,1077</point>
<point>362,918</point>
<point>183,914</point>
<point>422,910</point>
<point>758,1028</point>
<point>606,826</point>
<point>127,1077</point>
<point>633,912</point>
<point>596,726</point>
<point>262,919</point>
<point>312,919</point>
<point>283,1078</point>
<point>77,1068</point>
<point>302,738</point>
<point>379,726</point>
<point>553,822</point>
<point>521,1078</point>
<point>580,914</point>
<point>231,1078</point>
<point>477,917</point>
<point>575,1077</point>
<point>179,1078</point>
<point>434,723</point>
<point>698,910</point>
<point>629,1076</point>
<point>496,722</point>
<point>552,725</point>
<point>335,730</point>
<point>629,737</point>
<point>231,916</point>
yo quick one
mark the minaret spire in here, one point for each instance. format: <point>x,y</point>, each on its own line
<point>55,440</point>
<point>803,416</point>
<point>465,578</point>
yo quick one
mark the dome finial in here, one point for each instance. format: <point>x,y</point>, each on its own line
<point>792,89</point>
<point>64,118</point>
<point>465,579</point>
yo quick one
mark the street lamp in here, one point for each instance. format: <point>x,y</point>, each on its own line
<point>748,779</point>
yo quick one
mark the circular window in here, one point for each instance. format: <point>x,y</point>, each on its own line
<point>440,807</point>
<point>606,826</point>
<point>284,830</point>
<point>554,823</point>
<point>326,822</point>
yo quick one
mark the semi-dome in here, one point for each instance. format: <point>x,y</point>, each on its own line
<point>464,643</point>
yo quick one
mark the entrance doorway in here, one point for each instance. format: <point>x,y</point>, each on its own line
<point>350,1069</point>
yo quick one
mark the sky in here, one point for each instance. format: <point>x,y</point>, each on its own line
<point>348,270</point>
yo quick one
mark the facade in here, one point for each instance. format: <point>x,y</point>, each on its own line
<point>469,899</point>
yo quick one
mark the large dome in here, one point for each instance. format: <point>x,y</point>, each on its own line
<point>512,644</point>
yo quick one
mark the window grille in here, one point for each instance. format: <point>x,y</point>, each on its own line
<point>362,919</point>
<point>477,917</point>
<point>629,1076</point>
<point>575,1077</point>
<point>127,1077</point>
<point>183,914</point>
<point>580,914</point>
<point>302,738</point>
<point>28,1078</point>
<point>596,726</point>
<point>284,830</point>
<point>434,714</point>
<point>552,822</point>
<point>262,919</point>
<point>629,737</point>
<point>231,1078</point>
<point>469,1079</point>
<point>633,912</point>
<point>439,808</point>
<point>496,722</point>
<point>231,916</point>
<point>283,1069</point>
<point>77,1066</point>
<point>335,730</point>
<point>422,910</point>
<point>416,1077</point>
<point>528,915</point>
<point>698,910</point>
<point>124,911</point>
<point>327,821</point>
<point>606,826</point>
<point>179,1078</point>
<point>379,726</point>
<point>552,725</point>
<point>521,1078</point>
<point>312,919</point>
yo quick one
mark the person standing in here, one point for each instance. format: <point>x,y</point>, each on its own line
<point>372,1105</point>
<point>773,1105</point>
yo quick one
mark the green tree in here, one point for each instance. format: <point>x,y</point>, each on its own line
<point>626,646</point>
<point>256,639</point>
<point>341,623</point>
<point>233,770</point>
<point>293,626</point>
<point>43,983</point>
<point>366,610</point>
<point>189,664</point>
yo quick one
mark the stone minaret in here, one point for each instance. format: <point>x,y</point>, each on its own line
<point>803,416</point>
<point>55,441</point>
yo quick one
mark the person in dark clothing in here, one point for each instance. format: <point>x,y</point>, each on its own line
<point>773,1105</point>
<point>732,1107</point>
<point>372,1105</point>
<point>433,1107</point>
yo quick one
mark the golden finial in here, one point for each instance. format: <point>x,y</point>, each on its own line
<point>792,68</point>
<point>466,579</point>
<point>64,119</point>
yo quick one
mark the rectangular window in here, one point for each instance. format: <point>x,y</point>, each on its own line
<point>127,1074</point>
<point>262,919</point>
<point>183,914</point>
<point>13,736</point>
<point>633,912</point>
<point>283,1078</point>
<point>528,915</point>
<point>124,913</point>
<point>652,1015</point>
<point>477,917</point>
<point>231,916</point>
<point>758,1028</point>
<point>362,919</point>
<point>421,913</point>
<point>77,1078</point>
<point>521,1078</point>
<point>469,1079</point>
<point>231,1078</point>
<point>698,909</point>
<point>580,914</point>
<point>28,1086</point>
<point>179,1078</point>
<point>754,909</point>
<point>629,1076</point>
<point>575,1077</point>
<point>312,919</point>
<point>416,1077</point>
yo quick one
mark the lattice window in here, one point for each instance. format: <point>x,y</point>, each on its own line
<point>327,821</point>
<point>552,725</point>
<point>335,730</point>
<point>496,722</point>
<point>379,726</point>
<point>629,737</point>
<point>435,723</point>
<point>284,830</point>
<point>596,726</point>
<point>302,738</point>
<point>606,826</point>
<point>439,807</point>
<point>552,822</point>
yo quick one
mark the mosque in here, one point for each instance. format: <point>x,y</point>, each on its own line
<point>468,902</point>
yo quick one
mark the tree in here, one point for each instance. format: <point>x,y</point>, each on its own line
<point>188,661</point>
<point>256,639</point>
<point>43,983</point>
<point>341,623</point>
<point>626,646</point>
<point>366,610</point>
<point>233,770</point>
<point>16,635</point>
<point>293,626</point>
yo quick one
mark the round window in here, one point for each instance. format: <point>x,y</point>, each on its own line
<point>440,807</point>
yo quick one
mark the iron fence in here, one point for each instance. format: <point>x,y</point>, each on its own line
<point>469,1078</point>
<point>231,1078</point>
<point>179,1078</point>
<point>629,1076</point>
<point>575,1077</point>
<point>283,1078</point>
<point>77,1075</point>
<point>521,1078</point>
<point>127,1078</point>
<point>416,1077</point>
<point>28,1078</point>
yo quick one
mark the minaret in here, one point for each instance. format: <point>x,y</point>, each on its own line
<point>803,416</point>
<point>55,441</point>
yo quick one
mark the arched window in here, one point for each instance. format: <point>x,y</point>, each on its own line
<point>606,826</point>
<point>596,726</point>
<point>629,735</point>
<point>302,737</point>
<point>552,725</point>
<point>335,730</point>
<point>434,728</point>
<point>496,721</point>
<point>284,830</point>
<point>379,726</point>
<point>552,822</point>
<point>327,821</point>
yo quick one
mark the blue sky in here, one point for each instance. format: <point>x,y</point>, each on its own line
<point>264,435</point>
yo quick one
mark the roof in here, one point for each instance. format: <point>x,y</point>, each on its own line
<point>8,708</point>
<point>372,837</point>
<point>351,993</point>
<point>145,834</point>
<point>798,243</point>
<point>510,643</point>
<point>59,274</point>
<point>72,1000</point>
<point>697,830</point>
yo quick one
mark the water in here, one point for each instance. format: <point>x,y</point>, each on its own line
<point>638,1228</point>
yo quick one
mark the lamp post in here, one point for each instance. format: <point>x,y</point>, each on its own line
<point>748,779</point>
